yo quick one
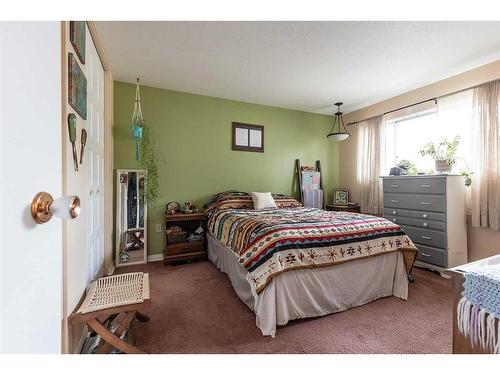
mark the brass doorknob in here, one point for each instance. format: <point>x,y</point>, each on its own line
<point>43,207</point>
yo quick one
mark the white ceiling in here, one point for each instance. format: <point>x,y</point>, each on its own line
<point>299,65</point>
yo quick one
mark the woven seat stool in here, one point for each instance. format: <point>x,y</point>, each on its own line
<point>108,299</point>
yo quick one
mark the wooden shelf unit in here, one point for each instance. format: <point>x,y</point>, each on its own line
<point>187,249</point>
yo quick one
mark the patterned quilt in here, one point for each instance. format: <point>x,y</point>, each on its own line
<point>271,241</point>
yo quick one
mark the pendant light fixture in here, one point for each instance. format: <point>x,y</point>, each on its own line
<point>341,134</point>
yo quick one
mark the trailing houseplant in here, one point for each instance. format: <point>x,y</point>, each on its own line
<point>468,176</point>
<point>144,151</point>
<point>443,153</point>
<point>149,162</point>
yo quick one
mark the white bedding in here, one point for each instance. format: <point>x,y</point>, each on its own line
<point>313,292</point>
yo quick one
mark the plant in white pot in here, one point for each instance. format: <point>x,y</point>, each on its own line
<point>443,153</point>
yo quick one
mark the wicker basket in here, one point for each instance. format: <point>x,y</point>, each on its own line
<point>442,166</point>
<point>176,238</point>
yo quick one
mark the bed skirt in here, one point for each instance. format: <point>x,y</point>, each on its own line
<point>313,292</point>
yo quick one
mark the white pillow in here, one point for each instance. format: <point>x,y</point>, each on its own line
<point>263,200</point>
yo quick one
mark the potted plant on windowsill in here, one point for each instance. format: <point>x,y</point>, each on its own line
<point>443,153</point>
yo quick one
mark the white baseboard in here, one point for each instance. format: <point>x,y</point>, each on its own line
<point>155,258</point>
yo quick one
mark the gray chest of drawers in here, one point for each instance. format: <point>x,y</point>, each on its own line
<point>431,210</point>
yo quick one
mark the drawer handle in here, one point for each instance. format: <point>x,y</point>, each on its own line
<point>394,219</point>
<point>425,185</point>
<point>425,203</point>
<point>394,212</point>
<point>394,201</point>
<point>427,238</point>
<point>424,216</point>
<point>425,255</point>
<point>424,225</point>
<point>394,185</point>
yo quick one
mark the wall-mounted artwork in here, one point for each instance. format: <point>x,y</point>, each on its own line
<point>77,87</point>
<point>248,137</point>
<point>77,38</point>
<point>341,196</point>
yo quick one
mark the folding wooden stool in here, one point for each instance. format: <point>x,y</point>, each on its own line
<point>106,299</point>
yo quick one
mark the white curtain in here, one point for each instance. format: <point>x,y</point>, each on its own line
<point>454,115</point>
<point>486,142</point>
<point>371,156</point>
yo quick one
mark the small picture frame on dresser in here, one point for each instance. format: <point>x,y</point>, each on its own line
<point>340,196</point>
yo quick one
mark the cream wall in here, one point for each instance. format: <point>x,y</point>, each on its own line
<point>482,242</point>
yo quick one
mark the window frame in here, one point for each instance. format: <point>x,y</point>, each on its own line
<point>396,121</point>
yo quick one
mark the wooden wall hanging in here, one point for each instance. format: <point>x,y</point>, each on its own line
<point>77,34</point>
<point>77,87</point>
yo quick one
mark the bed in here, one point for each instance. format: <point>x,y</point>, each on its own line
<point>294,262</point>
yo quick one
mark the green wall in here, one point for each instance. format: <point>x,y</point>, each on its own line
<point>193,141</point>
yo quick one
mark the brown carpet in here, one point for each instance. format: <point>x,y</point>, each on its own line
<point>195,310</point>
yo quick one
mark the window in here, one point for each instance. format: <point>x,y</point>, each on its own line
<point>406,136</point>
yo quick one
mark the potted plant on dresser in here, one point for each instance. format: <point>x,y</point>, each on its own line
<point>443,153</point>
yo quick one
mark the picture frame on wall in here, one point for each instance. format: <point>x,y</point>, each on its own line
<point>340,196</point>
<point>77,35</point>
<point>77,87</point>
<point>247,137</point>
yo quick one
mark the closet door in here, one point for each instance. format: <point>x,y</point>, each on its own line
<point>94,156</point>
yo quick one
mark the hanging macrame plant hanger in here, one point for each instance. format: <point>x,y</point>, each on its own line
<point>137,122</point>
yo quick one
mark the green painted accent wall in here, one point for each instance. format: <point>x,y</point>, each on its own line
<point>192,136</point>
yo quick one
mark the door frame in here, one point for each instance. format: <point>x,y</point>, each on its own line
<point>67,345</point>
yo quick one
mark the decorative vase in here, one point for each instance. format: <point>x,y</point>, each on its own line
<point>442,166</point>
<point>137,131</point>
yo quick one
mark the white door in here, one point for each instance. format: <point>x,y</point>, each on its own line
<point>30,161</point>
<point>95,159</point>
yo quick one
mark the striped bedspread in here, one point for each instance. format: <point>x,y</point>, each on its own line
<point>271,241</point>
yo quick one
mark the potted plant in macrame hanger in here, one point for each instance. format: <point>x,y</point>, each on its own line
<point>137,123</point>
<point>144,151</point>
<point>443,153</point>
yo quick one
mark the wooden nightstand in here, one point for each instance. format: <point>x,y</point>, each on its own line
<point>333,207</point>
<point>186,249</point>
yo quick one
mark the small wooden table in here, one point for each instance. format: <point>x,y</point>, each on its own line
<point>187,249</point>
<point>334,207</point>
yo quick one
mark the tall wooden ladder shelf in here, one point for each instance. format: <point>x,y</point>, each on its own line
<point>304,168</point>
